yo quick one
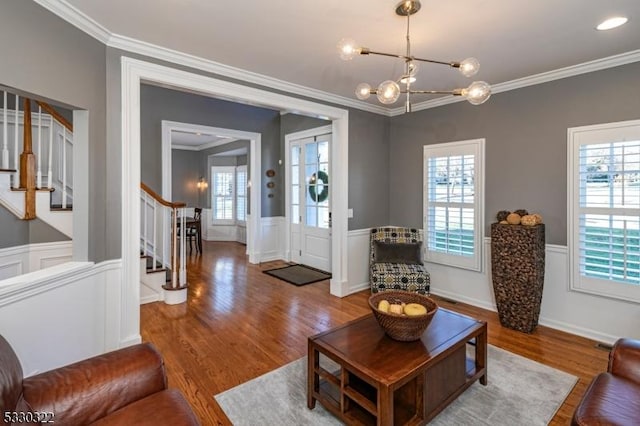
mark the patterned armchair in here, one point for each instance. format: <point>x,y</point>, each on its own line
<point>396,260</point>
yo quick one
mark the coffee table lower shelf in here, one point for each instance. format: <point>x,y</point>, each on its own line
<point>411,399</point>
<point>359,398</point>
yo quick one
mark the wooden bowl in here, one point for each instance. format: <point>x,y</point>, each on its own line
<point>402,327</point>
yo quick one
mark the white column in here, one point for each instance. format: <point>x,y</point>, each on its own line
<point>39,151</point>
<point>64,167</point>
<point>5,142</point>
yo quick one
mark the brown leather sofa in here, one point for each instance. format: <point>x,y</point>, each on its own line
<point>613,398</point>
<point>124,387</point>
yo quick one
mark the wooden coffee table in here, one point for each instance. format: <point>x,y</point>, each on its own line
<point>381,381</point>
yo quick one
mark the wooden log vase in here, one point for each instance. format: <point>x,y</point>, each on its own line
<point>517,268</point>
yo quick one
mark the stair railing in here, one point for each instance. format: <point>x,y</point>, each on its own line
<point>54,155</point>
<point>67,139</point>
<point>152,229</point>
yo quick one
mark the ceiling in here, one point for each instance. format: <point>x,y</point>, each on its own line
<point>196,141</point>
<point>295,41</point>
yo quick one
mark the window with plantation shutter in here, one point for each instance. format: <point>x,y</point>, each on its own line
<point>222,193</point>
<point>453,203</point>
<point>604,210</point>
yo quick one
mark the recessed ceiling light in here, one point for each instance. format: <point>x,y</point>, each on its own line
<point>612,23</point>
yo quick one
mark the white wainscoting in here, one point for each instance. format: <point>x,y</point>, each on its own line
<point>358,255</point>
<point>231,232</point>
<point>62,314</point>
<point>272,238</point>
<point>591,316</point>
<point>27,258</point>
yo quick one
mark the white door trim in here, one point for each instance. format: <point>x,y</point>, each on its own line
<point>255,149</point>
<point>287,178</point>
<point>133,72</point>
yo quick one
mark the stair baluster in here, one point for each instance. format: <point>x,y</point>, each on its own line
<point>39,154</point>
<point>64,167</point>
<point>5,142</point>
<point>16,151</point>
<point>183,250</point>
<point>50,169</point>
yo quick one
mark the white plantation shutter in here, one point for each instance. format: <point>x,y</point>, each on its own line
<point>453,200</point>
<point>222,193</point>
<point>241,193</point>
<point>604,180</point>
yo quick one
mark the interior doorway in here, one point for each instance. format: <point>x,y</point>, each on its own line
<point>222,136</point>
<point>308,197</point>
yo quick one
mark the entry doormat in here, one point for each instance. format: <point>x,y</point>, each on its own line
<point>299,274</point>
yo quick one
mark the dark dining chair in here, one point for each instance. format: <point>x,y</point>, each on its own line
<point>194,230</point>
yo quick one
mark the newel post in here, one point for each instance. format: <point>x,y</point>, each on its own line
<point>28,166</point>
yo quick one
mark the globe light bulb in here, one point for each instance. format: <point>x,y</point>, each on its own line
<point>363,91</point>
<point>347,48</point>
<point>388,92</point>
<point>407,79</point>
<point>413,69</point>
<point>477,93</point>
<point>469,67</point>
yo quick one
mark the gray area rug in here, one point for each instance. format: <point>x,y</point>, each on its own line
<point>520,392</point>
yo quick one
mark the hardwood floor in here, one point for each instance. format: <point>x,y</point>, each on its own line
<point>240,323</point>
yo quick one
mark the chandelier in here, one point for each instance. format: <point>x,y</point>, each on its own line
<point>389,91</point>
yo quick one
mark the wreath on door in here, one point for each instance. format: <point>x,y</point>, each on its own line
<point>319,178</point>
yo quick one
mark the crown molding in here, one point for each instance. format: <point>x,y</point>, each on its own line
<point>76,18</point>
<point>203,146</point>
<point>185,59</point>
<point>570,71</point>
<point>85,23</point>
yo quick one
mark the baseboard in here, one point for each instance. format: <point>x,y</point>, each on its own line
<point>269,257</point>
<point>464,299</point>
<point>359,287</point>
<point>131,340</point>
<point>579,331</point>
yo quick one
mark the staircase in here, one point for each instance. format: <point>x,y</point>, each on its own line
<point>163,273</point>
<point>36,162</point>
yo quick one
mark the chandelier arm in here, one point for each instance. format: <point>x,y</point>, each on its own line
<point>392,55</point>
<point>456,92</point>
<point>433,61</point>
<point>367,51</point>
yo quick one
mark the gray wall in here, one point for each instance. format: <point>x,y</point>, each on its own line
<point>60,63</point>
<point>17,232</point>
<point>526,143</point>
<point>159,104</point>
<point>368,169</point>
<point>184,177</point>
<point>13,231</point>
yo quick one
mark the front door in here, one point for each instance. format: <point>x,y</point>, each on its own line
<point>309,206</point>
